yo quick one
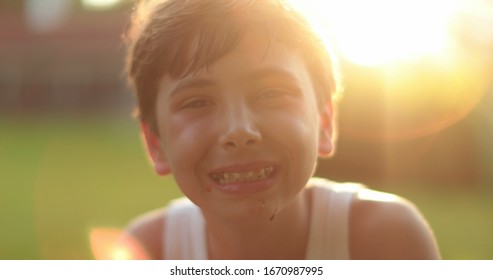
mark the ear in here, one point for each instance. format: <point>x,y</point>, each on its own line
<point>153,148</point>
<point>327,134</point>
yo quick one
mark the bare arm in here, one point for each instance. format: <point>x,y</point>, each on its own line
<point>389,228</point>
<point>148,230</point>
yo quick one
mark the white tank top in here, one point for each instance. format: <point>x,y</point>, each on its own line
<point>185,234</point>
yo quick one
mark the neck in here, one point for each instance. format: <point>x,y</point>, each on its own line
<point>282,237</point>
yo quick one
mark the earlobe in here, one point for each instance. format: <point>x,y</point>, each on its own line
<point>155,153</point>
<point>326,137</point>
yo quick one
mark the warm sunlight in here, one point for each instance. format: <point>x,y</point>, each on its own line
<point>423,78</point>
<point>377,32</point>
<point>371,195</point>
<point>100,4</point>
<point>114,244</point>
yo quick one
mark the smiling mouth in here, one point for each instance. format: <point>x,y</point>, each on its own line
<point>241,177</point>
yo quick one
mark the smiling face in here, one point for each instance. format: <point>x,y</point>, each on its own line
<point>242,136</point>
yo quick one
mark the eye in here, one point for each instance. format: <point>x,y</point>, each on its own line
<point>275,95</point>
<point>197,103</point>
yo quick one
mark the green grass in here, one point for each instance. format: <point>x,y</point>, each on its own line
<point>59,179</point>
<point>462,220</point>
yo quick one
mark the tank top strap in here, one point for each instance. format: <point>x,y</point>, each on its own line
<point>184,232</point>
<point>329,225</point>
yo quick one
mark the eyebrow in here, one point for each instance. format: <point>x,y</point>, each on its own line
<point>264,73</point>
<point>192,83</point>
<point>271,72</point>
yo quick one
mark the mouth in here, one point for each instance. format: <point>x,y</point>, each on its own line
<point>253,175</point>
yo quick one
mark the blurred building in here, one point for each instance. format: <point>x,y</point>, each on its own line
<point>65,61</point>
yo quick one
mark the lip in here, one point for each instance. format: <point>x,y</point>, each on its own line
<point>248,187</point>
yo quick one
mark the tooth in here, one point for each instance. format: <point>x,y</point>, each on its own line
<point>231,177</point>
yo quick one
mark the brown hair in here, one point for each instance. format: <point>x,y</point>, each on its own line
<point>162,33</point>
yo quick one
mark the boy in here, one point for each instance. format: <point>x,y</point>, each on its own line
<point>235,100</point>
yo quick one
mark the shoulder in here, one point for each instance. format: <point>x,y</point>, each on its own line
<point>386,226</point>
<point>148,230</point>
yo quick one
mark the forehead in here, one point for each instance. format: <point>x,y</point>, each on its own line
<point>255,57</point>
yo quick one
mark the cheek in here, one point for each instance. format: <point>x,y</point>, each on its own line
<point>296,125</point>
<point>297,132</point>
<point>304,153</point>
<point>185,142</point>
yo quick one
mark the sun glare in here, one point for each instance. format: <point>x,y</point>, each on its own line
<point>115,244</point>
<point>423,74</point>
<point>377,32</point>
<point>100,4</point>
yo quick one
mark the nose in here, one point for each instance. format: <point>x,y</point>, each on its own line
<point>239,128</point>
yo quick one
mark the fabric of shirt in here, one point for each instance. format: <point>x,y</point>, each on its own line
<point>328,239</point>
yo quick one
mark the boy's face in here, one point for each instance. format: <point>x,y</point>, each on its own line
<point>243,136</point>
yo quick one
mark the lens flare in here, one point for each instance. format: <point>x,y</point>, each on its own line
<point>100,4</point>
<point>425,80</point>
<point>378,32</point>
<point>411,101</point>
<point>115,244</point>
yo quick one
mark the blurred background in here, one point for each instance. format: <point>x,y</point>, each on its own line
<point>416,119</point>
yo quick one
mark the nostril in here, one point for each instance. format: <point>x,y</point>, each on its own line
<point>240,132</point>
<point>237,140</point>
<point>230,144</point>
<point>250,142</point>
